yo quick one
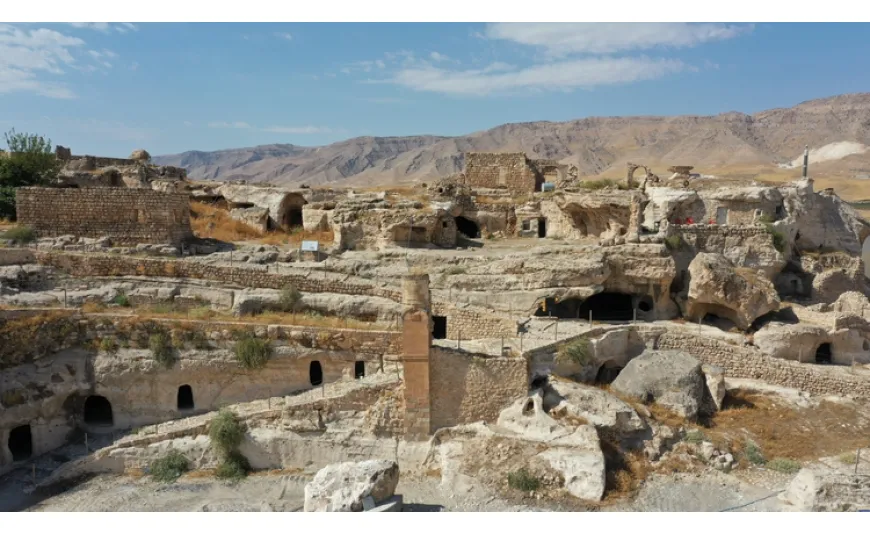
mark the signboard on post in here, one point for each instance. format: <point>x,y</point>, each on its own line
<point>310,246</point>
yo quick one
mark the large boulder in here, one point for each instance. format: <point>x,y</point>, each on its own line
<point>739,295</point>
<point>140,155</point>
<point>671,378</point>
<point>824,490</point>
<point>598,407</point>
<point>343,487</point>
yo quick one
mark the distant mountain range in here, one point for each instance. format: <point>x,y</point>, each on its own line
<point>837,129</point>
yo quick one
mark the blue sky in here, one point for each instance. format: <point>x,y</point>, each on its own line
<point>107,89</point>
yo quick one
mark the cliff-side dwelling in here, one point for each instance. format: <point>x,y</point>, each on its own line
<point>439,326</point>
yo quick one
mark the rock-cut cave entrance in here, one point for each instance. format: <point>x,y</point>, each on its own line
<point>467,227</point>
<point>315,373</point>
<point>359,369</point>
<point>607,373</point>
<point>185,397</point>
<point>824,354</point>
<point>98,411</point>
<point>604,307</point>
<point>20,443</point>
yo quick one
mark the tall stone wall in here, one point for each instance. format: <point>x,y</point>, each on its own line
<point>500,171</point>
<point>466,388</point>
<point>127,216</point>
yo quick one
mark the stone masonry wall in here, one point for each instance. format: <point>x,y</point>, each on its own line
<point>466,388</point>
<point>127,216</point>
<point>740,362</point>
<point>499,171</point>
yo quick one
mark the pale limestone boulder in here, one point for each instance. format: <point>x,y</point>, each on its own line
<point>820,489</point>
<point>714,377</point>
<point>527,418</point>
<point>343,487</point>
<point>737,294</point>
<point>257,218</point>
<point>140,155</point>
<point>583,471</point>
<point>598,407</point>
<point>671,378</point>
<point>791,341</point>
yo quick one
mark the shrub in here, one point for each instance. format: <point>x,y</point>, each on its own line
<point>594,185</point>
<point>695,436</point>
<point>226,432</point>
<point>199,341</point>
<point>252,353</point>
<point>108,345</point>
<point>7,203</point>
<point>20,234</point>
<point>523,480</point>
<point>233,467</point>
<point>289,299</point>
<point>766,218</point>
<point>168,468</point>
<point>576,351</point>
<point>784,465</point>
<point>779,240</point>
<point>121,300</point>
<point>456,269</point>
<point>753,453</point>
<point>674,242</point>
<point>161,349</point>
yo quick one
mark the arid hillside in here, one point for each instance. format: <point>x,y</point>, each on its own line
<point>763,145</point>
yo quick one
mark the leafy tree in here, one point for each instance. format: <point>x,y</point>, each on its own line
<point>29,161</point>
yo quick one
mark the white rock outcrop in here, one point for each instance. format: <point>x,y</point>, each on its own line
<point>343,487</point>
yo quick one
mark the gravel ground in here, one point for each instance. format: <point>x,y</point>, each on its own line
<point>285,493</point>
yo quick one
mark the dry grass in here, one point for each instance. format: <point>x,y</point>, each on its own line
<point>209,222</point>
<point>783,431</point>
<point>203,313</point>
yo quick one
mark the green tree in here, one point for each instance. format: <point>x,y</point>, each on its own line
<point>29,161</point>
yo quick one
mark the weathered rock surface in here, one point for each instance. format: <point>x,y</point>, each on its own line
<point>715,380</point>
<point>823,490</point>
<point>599,408</point>
<point>671,378</point>
<point>342,487</point>
<point>718,288</point>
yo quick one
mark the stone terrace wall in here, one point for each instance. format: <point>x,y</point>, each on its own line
<point>499,171</point>
<point>744,362</point>
<point>702,232</point>
<point>466,388</point>
<point>469,322</point>
<point>127,216</point>
<point>16,256</point>
<point>106,162</point>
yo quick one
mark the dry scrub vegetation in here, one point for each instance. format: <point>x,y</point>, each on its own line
<point>210,222</point>
<point>204,313</point>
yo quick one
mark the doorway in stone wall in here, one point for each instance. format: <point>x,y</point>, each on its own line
<point>315,373</point>
<point>98,411</point>
<point>824,354</point>
<point>359,369</point>
<point>439,327</point>
<point>185,397</point>
<point>542,227</point>
<point>21,443</point>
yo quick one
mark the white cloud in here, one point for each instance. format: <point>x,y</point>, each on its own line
<point>134,66</point>
<point>284,35</point>
<point>237,125</point>
<point>438,57</point>
<point>105,27</point>
<point>565,76</point>
<point>560,39</point>
<point>27,54</point>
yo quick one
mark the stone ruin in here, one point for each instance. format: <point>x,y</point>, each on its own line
<point>751,282</point>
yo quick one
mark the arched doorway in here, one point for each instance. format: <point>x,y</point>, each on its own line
<point>185,397</point>
<point>98,411</point>
<point>824,355</point>
<point>608,372</point>
<point>315,373</point>
<point>21,443</point>
<point>289,214</point>
<point>467,227</point>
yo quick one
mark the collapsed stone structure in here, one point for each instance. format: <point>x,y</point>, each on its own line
<point>581,283</point>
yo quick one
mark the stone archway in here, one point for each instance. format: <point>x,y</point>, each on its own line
<point>289,214</point>
<point>98,411</point>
